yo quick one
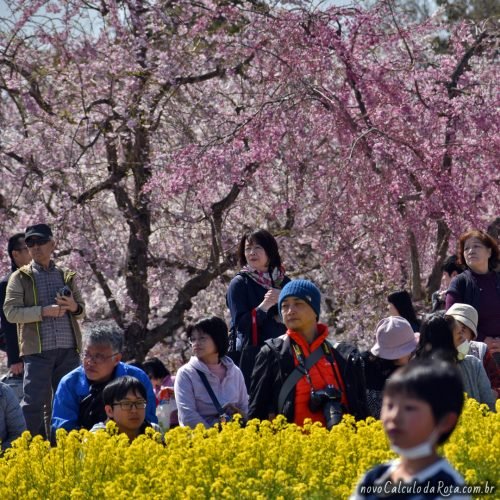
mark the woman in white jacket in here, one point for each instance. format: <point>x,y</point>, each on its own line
<point>226,393</point>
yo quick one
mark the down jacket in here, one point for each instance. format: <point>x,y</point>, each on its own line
<point>275,362</point>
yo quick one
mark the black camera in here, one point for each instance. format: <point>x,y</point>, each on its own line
<point>328,400</point>
<point>65,291</point>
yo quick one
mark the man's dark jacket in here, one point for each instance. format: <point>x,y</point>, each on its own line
<point>8,329</point>
<point>275,362</point>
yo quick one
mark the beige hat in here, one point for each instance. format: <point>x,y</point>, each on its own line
<point>466,314</point>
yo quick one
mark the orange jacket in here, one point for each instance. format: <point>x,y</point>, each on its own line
<point>321,374</point>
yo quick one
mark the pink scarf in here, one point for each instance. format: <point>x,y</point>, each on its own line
<point>265,280</point>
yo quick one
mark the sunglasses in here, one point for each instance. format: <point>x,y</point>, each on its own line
<point>39,243</point>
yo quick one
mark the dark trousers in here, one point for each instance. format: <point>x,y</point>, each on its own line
<point>42,373</point>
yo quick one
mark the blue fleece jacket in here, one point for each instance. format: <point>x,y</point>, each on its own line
<point>75,386</point>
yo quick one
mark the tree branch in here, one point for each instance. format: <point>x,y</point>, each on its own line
<point>34,88</point>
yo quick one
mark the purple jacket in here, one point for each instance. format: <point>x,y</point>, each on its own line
<point>193,401</point>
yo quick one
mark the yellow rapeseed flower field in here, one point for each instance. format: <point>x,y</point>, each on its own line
<point>263,460</point>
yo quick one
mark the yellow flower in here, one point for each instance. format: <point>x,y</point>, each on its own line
<point>260,461</point>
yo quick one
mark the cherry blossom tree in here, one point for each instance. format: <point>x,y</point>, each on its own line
<point>152,134</point>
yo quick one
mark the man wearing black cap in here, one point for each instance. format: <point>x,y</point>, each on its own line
<point>43,300</point>
<point>300,374</point>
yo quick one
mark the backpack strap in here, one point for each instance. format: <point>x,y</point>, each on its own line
<point>297,374</point>
<point>210,391</point>
<point>255,339</point>
<point>352,368</point>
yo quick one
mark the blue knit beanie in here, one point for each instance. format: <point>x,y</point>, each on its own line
<point>303,289</point>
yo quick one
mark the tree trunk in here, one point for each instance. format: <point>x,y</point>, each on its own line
<point>416,286</point>
<point>442,245</point>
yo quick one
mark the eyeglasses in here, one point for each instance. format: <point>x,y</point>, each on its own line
<point>198,340</point>
<point>98,359</point>
<point>39,243</point>
<point>128,405</point>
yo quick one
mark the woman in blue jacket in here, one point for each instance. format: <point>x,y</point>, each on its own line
<point>252,297</point>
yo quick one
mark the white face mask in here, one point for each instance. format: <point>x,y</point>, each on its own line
<point>463,349</point>
<point>422,450</point>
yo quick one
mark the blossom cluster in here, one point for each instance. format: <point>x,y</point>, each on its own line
<point>151,138</point>
<point>260,460</point>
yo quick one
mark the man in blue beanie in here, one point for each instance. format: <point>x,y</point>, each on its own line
<point>300,374</point>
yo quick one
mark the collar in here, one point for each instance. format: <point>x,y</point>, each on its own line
<point>39,267</point>
<point>301,341</point>
<point>118,371</point>
<point>419,477</point>
<point>274,279</point>
<point>198,364</point>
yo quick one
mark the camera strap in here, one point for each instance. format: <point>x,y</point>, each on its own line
<point>331,358</point>
<point>305,364</point>
<point>327,351</point>
<point>211,393</point>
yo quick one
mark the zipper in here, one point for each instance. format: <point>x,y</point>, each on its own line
<point>36,303</point>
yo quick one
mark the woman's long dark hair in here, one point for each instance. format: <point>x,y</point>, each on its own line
<point>436,338</point>
<point>401,300</point>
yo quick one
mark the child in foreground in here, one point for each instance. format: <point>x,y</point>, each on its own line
<point>420,409</point>
<point>125,401</point>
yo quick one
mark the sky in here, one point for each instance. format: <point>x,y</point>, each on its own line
<point>3,8</point>
<point>4,11</point>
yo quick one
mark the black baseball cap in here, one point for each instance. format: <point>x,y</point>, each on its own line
<point>40,230</point>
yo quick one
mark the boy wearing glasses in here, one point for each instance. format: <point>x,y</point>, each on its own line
<point>45,303</point>
<point>125,400</point>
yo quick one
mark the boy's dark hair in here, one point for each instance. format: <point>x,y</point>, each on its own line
<point>217,329</point>
<point>401,300</point>
<point>155,368</point>
<point>118,388</point>
<point>434,381</point>
<point>450,265</point>
<point>436,337</point>
<point>266,240</point>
